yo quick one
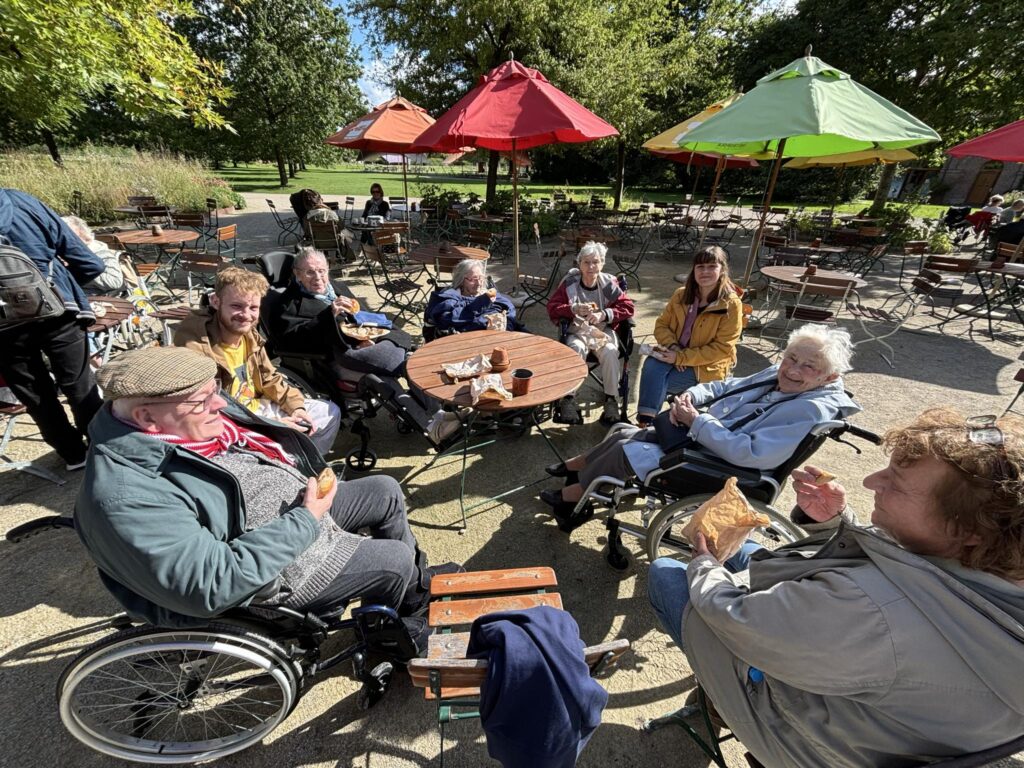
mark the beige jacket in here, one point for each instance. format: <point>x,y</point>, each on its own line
<point>199,331</point>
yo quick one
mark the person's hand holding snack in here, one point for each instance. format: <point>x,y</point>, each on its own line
<point>344,304</point>
<point>817,493</point>
<point>491,294</point>
<point>319,505</point>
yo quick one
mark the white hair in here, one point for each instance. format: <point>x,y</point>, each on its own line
<point>591,248</point>
<point>79,226</point>
<point>835,343</point>
<point>305,254</point>
<point>462,270</point>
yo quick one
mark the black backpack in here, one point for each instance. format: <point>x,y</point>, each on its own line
<point>25,294</point>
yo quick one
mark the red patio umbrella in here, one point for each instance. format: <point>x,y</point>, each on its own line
<point>1006,144</point>
<point>513,108</point>
<point>390,127</point>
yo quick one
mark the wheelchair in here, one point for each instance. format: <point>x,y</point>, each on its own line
<point>166,695</point>
<point>689,476</point>
<point>204,689</point>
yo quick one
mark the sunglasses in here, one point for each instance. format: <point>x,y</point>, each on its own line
<point>982,430</point>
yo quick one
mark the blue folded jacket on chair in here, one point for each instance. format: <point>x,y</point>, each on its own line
<point>373,319</point>
<point>538,705</point>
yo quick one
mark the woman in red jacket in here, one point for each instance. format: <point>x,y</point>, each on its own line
<point>592,303</point>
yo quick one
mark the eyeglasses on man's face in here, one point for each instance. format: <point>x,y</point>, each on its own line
<point>197,406</point>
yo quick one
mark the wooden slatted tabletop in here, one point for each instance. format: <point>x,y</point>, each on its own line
<point>557,370</point>
<point>167,237</point>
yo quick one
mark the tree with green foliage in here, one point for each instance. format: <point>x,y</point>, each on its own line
<point>955,64</point>
<point>56,56</point>
<point>623,60</point>
<point>292,70</point>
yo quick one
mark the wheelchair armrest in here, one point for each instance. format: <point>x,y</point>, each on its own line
<point>707,461</point>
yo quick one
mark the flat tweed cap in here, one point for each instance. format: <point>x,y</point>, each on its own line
<point>155,372</point>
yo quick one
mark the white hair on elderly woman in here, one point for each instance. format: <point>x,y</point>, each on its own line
<point>79,226</point>
<point>592,248</point>
<point>835,343</point>
<point>305,254</point>
<point>462,270</point>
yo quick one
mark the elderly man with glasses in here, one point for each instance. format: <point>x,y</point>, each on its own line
<point>894,644</point>
<point>192,505</point>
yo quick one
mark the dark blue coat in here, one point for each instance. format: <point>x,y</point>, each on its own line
<point>448,309</point>
<point>538,705</point>
<point>32,226</point>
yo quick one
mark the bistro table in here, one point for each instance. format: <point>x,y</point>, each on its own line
<point>444,262</point>
<point>137,239</point>
<point>788,278</point>
<point>557,371</point>
<point>1002,299</point>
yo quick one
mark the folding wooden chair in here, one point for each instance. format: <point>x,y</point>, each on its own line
<point>393,283</point>
<point>811,302</point>
<point>904,306</point>
<point>537,289</point>
<point>325,236</point>
<point>454,681</point>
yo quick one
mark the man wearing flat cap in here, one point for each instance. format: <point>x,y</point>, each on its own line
<point>192,505</point>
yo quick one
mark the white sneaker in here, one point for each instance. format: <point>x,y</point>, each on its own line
<point>75,467</point>
<point>443,425</point>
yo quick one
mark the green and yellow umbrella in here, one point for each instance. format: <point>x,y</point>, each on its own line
<point>805,109</point>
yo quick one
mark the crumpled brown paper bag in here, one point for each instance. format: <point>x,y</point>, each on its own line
<point>726,519</point>
<point>488,388</point>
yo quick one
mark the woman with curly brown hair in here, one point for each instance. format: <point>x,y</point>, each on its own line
<point>894,644</point>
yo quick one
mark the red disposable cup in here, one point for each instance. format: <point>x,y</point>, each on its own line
<point>521,378</point>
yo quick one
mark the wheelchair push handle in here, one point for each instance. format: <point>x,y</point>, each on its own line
<point>864,434</point>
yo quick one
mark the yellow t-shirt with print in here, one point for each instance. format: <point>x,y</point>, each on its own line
<point>242,388</point>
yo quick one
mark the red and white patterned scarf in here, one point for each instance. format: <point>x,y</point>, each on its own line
<point>233,434</point>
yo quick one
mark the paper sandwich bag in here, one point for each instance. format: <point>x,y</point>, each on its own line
<point>726,519</point>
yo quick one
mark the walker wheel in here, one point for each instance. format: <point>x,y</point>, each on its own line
<point>361,461</point>
<point>402,427</point>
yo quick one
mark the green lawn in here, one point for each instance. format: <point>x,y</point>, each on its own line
<point>355,180</point>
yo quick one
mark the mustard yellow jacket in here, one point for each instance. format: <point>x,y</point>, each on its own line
<point>712,348</point>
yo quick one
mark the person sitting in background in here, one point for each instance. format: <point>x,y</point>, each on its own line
<point>755,422</point>
<point>316,209</point>
<point>885,645</point>
<point>227,333</point>
<point>305,318</point>
<point>192,505</point>
<point>1012,213</point>
<point>697,334</point>
<point>995,206</point>
<point>112,279</point>
<point>377,205</point>
<point>468,305</point>
<point>593,304</point>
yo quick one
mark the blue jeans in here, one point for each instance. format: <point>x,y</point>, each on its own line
<point>657,379</point>
<point>669,591</point>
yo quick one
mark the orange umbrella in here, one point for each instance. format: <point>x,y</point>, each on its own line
<point>390,127</point>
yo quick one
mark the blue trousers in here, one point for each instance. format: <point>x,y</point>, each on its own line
<point>669,591</point>
<point>657,379</point>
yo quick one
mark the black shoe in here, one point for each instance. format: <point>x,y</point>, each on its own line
<point>610,415</point>
<point>553,498</point>
<point>419,632</point>
<point>560,470</point>
<point>566,412</point>
<point>569,521</point>
<point>444,568</point>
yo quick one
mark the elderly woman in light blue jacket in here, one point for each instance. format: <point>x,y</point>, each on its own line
<point>755,422</point>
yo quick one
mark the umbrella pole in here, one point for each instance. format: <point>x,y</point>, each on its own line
<point>696,178</point>
<point>515,210</point>
<point>839,189</point>
<point>408,202</point>
<point>759,233</point>
<point>719,166</point>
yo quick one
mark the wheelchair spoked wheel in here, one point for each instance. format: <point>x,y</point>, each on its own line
<point>665,540</point>
<point>177,696</point>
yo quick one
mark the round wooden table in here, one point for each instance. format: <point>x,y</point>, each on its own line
<point>557,370</point>
<point>796,275</point>
<point>142,237</point>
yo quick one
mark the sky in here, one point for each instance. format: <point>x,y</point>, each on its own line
<point>370,82</point>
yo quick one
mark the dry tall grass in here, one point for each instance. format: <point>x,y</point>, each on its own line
<point>107,176</point>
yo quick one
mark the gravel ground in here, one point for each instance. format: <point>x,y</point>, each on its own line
<point>55,605</point>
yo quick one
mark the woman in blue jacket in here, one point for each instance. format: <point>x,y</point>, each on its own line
<point>466,305</point>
